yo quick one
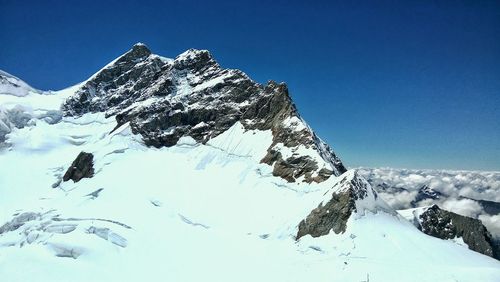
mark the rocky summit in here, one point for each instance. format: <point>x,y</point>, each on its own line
<point>192,95</point>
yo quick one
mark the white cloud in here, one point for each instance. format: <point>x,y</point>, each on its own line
<point>416,178</point>
<point>464,207</point>
<point>492,223</point>
<point>399,200</point>
<point>454,185</point>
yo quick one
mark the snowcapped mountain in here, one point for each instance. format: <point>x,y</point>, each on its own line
<point>181,170</point>
<point>164,100</point>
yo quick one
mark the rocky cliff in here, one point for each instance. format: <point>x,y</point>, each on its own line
<point>192,95</point>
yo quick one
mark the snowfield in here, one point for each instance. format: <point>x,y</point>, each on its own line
<point>190,212</point>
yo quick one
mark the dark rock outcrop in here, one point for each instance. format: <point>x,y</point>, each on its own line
<point>331,216</point>
<point>82,166</point>
<point>164,100</point>
<point>334,213</point>
<point>444,224</point>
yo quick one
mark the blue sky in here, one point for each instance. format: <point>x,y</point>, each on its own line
<point>411,84</point>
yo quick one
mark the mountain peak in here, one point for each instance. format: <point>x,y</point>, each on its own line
<point>138,51</point>
<point>195,59</point>
<point>139,45</point>
<point>192,53</point>
<point>193,96</point>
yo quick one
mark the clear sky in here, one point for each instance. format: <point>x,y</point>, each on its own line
<point>411,84</point>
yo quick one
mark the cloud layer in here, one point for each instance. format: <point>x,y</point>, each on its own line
<point>399,187</point>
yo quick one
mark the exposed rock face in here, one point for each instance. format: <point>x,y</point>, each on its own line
<point>333,213</point>
<point>331,216</point>
<point>277,112</point>
<point>448,225</point>
<point>165,99</point>
<point>82,166</point>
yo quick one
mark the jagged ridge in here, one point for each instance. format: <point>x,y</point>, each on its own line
<point>165,99</point>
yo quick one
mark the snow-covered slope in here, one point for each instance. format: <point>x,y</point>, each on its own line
<point>22,105</point>
<point>222,203</point>
<point>11,85</point>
